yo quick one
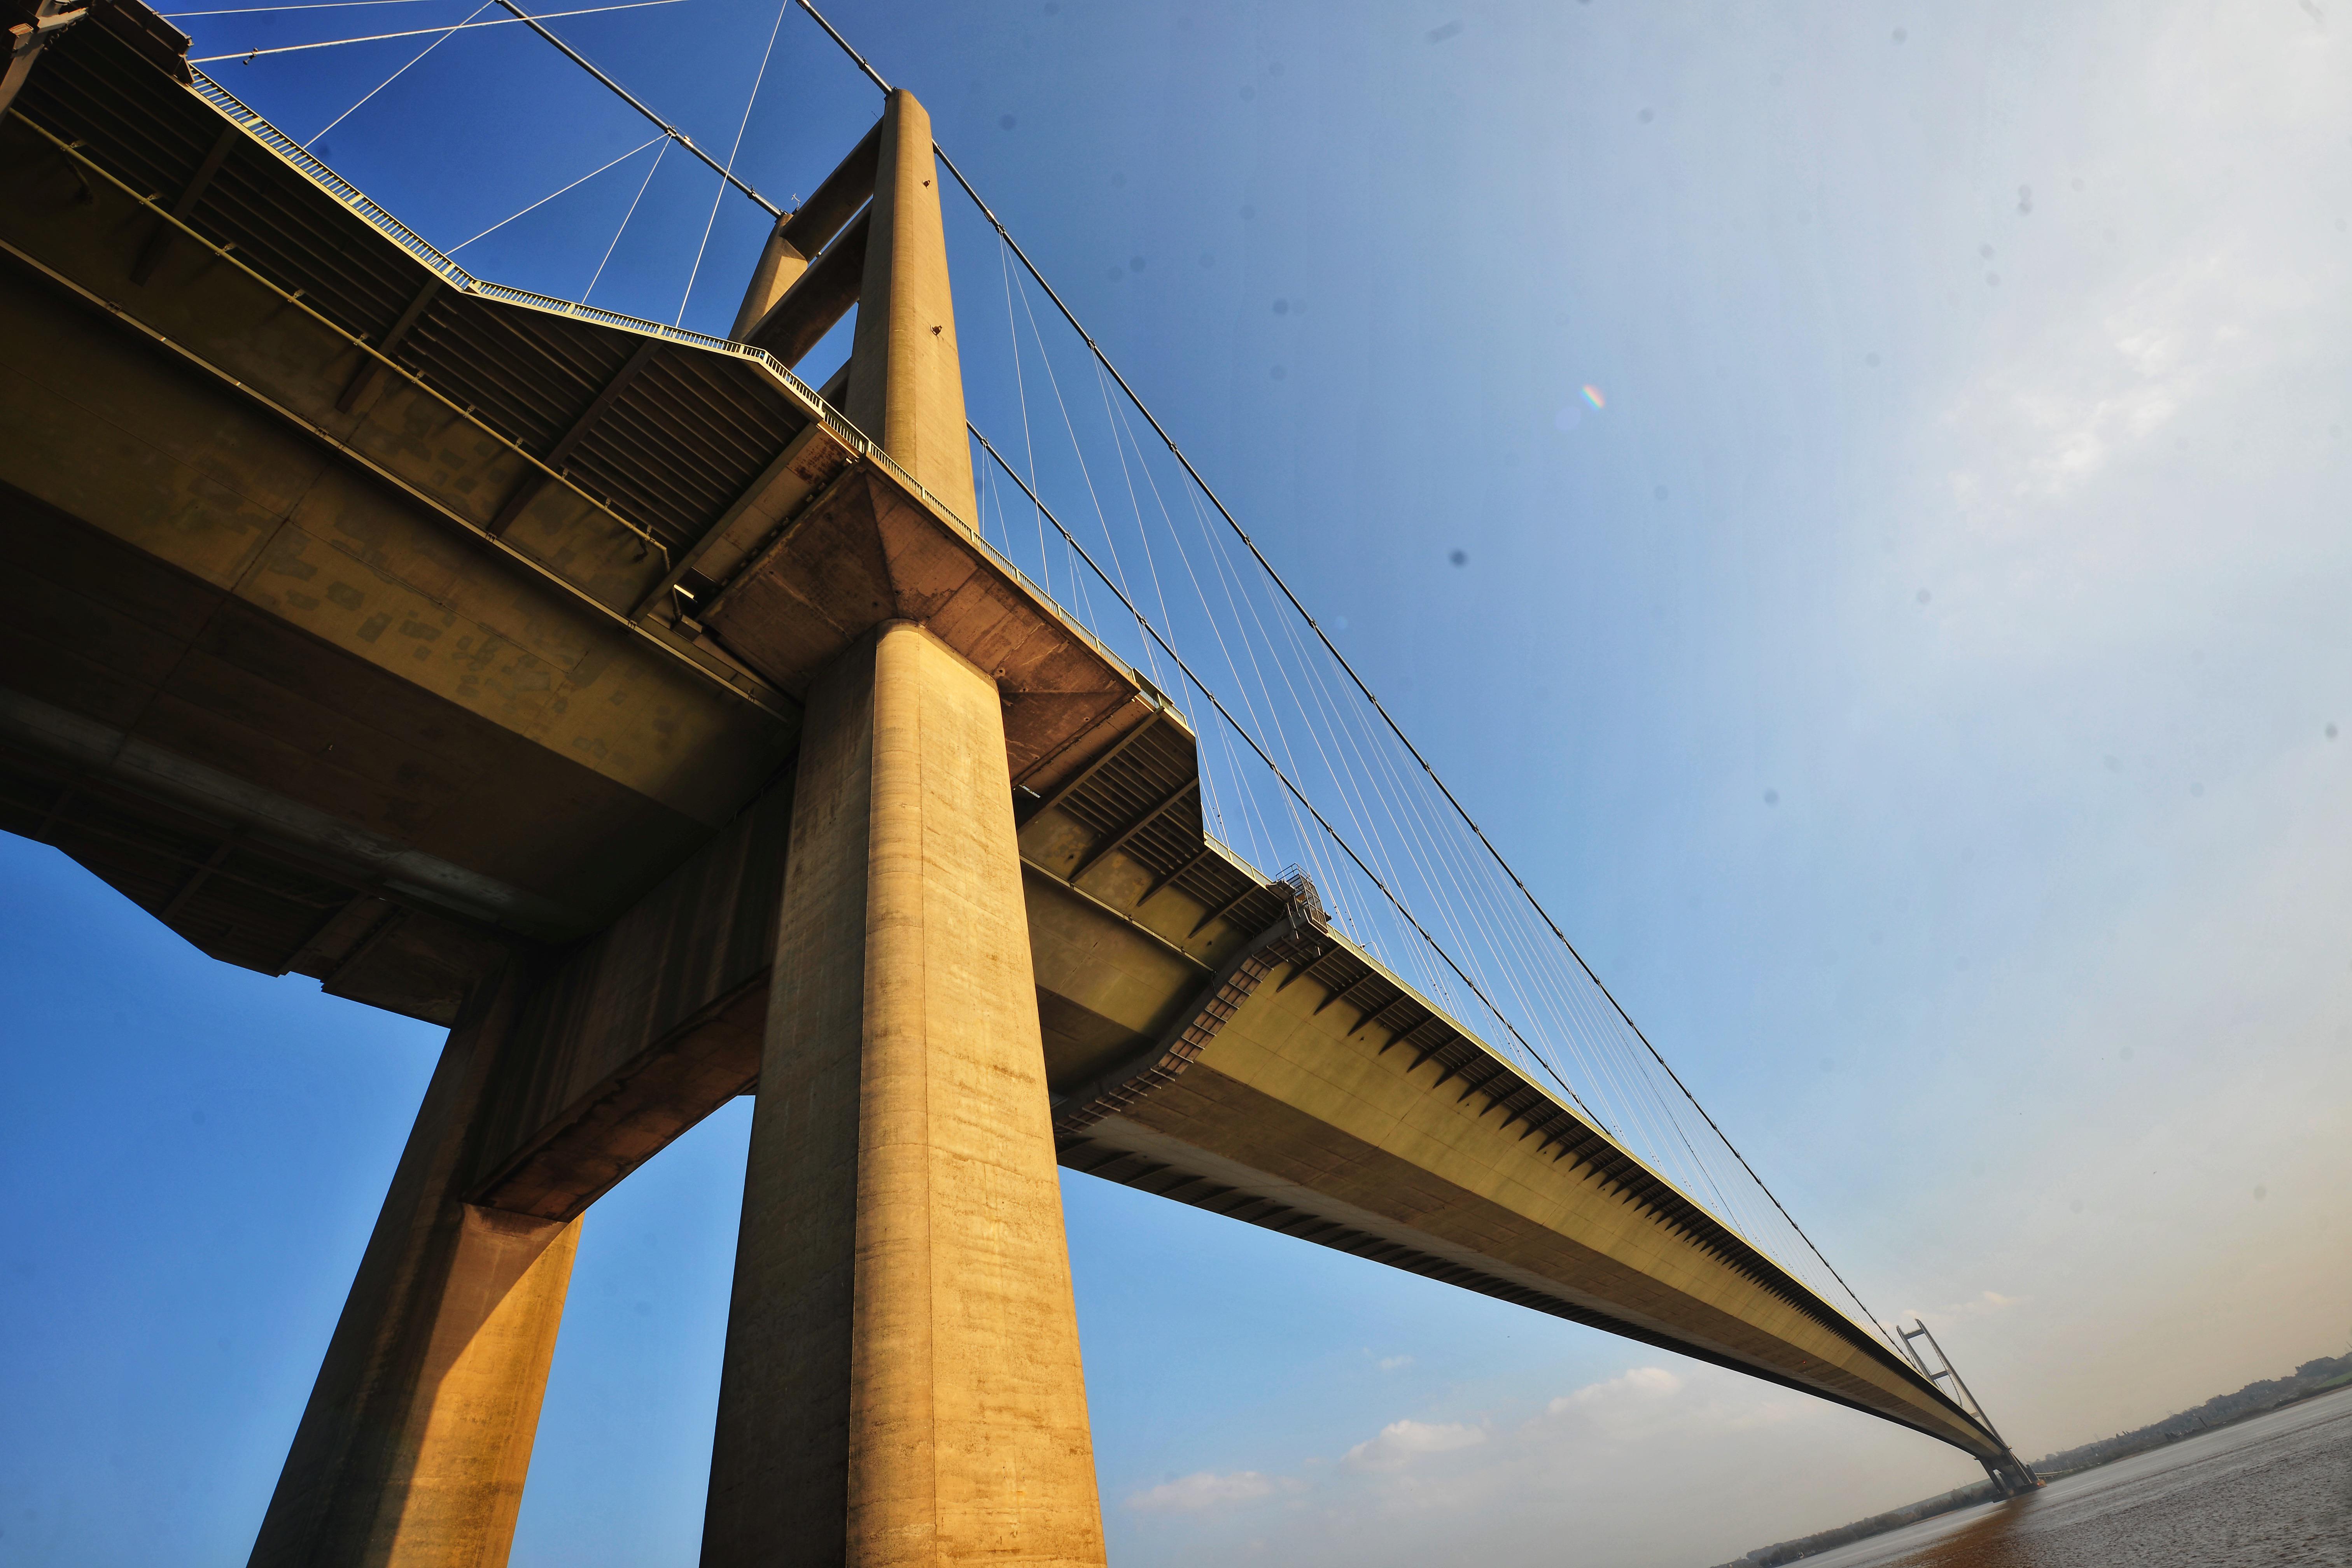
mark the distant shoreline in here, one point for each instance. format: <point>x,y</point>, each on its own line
<point>2332,1386</point>
<point>2309,1381</point>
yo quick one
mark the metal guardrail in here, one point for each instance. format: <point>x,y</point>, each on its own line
<point>300,159</point>
<point>294,153</point>
<point>350,196</point>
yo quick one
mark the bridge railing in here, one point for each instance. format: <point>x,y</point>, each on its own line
<point>304,162</point>
<point>455,275</point>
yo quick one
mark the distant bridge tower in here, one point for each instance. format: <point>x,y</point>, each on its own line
<point>2009,1473</point>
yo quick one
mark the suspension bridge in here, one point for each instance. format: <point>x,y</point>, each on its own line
<point>672,728</point>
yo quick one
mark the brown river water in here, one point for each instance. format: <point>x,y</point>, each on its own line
<point>2276,1490</point>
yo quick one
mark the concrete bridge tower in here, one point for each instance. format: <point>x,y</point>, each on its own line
<point>902,1382</point>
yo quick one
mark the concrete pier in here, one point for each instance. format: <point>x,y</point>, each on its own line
<point>902,1382</point>
<point>413,1448</point>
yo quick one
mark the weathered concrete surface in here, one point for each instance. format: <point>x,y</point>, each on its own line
<point>267,607</point>
<point>645,1030</point>
<point>254,520</point>
<point>199,663</point>
<point>413,1447</point>
<point>902,1383</point>
<point>906,384</point>
<point>864,551</point>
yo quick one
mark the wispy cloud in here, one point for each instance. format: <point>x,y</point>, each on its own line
<point>1431,1480</point>
<point>1643,1384</point>
<point>1401,1442</point>
<point>1201,1492</point>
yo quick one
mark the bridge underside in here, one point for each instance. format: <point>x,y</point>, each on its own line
<point>453,647</point>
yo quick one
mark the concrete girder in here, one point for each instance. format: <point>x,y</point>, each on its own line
<point>644,1030</point>
<point>1294,1108</point>
<point>810,462</point>
<point>159,241</point>
<point>823,291</point>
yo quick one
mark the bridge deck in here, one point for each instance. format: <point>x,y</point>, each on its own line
<point>349,641</point>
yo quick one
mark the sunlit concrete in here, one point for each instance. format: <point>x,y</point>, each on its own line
<point>902,1382</point>
<point>413,1447</point>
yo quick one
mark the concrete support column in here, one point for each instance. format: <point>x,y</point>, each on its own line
<point>415,1443</point>
<point>902,1382</point>
<point>906,386</point>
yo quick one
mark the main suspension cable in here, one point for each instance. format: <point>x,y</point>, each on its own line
<point>1274,767</point>
<point>1342,659</point>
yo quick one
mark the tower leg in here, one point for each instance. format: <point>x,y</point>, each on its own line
<point>902,1382</point>
<point>413,1448</point>
<point>2010,1476</point>
<point>906,379</point>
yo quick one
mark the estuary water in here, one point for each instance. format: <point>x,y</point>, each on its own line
<point>2270,1492</point>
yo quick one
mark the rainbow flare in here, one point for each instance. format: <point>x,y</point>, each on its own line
<point>1592,396</point>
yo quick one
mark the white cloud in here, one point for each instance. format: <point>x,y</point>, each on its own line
<point>1201,1491</point>
<point>1438,1484</point>
<point>1395,1363</point>
<point>1401,1442</point>
<point>1643,1384</point>
<point>2198,342</point>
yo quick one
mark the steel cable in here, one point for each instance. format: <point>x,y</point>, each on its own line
<point>1159,429</point>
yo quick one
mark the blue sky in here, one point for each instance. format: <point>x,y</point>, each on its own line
<point>1913,687</point>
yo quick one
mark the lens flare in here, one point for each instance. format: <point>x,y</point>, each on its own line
<point>1592,396</point>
